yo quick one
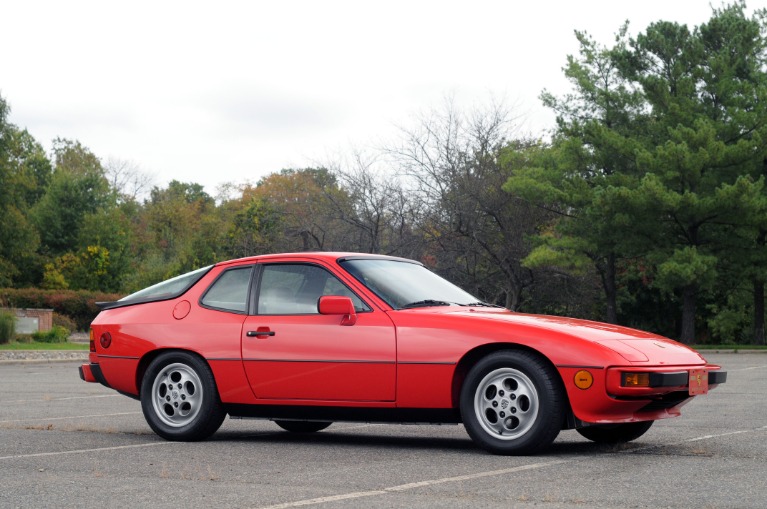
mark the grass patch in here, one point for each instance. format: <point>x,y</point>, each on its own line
<point>34,345</point>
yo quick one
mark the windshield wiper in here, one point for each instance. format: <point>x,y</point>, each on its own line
<point>425,303</point>
<point>482,304</point>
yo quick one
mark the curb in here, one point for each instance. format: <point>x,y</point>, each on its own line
<point>41,356</point>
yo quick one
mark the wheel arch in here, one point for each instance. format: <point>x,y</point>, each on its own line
<point>150,356</point>
<point>473,356</point>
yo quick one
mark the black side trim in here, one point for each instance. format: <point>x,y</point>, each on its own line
<point>679,379</point>
<point>717,377</point>
<point>323,413</point>
<point>424,363</point>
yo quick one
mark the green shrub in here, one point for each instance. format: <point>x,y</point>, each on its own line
<point>57,334</point>
<point>64,321</point>
<point>7,326</point>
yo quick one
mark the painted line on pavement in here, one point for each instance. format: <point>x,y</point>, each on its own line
<point>533,466</point>
<point>81,451</point>
<point>62,399</point>
<point>415,485</point>
<point>37,419</point>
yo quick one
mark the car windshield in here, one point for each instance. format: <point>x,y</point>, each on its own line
<point>405,284</point>
<point>168,289</point>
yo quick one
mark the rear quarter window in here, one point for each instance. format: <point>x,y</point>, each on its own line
<point>229,292</point>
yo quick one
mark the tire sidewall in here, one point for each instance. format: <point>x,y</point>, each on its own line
<point>546,382</point>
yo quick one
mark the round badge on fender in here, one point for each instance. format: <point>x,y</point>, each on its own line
<point>181,310</point>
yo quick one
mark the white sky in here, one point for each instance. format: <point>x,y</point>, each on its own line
<point>230,91</point>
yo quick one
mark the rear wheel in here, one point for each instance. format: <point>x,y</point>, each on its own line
<point>302,426</point>
<point>615,433</point>
<point>512,402</point>
<point>179,397</point>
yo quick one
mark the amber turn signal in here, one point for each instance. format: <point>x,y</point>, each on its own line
<point>92,341</point>
<point>583,379</point>
<point>635,380</point>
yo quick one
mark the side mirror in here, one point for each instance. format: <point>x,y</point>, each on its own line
<point>337,305</point>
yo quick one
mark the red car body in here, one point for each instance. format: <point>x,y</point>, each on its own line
<point>385,362</point>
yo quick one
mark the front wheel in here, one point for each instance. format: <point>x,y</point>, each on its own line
<point>302,426</point>
<point>179,398</point>
<point>615,433</point>
<point>512,402</point>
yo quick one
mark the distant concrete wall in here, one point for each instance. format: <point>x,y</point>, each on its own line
<point>33,320</point>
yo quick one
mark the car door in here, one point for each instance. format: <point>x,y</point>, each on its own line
<point>291,352</point>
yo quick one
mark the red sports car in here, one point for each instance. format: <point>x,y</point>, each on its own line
<point>310,338</point>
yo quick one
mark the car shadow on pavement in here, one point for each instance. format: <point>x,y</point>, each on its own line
<point>345,438</point>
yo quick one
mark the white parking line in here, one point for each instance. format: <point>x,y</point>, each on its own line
<point>70,417</point>
<point>411,486</point>
<point>431,482</point>
<point>80,451</point>
<point>62,399</point>
<point>750,368</point>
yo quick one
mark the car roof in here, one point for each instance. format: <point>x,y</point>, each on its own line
<point>327,256</point>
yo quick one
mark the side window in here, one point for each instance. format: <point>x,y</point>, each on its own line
<point>295,289</point>
<point>230,291</point>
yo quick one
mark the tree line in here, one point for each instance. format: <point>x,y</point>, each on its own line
<point>646,205</point>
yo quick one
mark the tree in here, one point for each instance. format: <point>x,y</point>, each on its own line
<point>660,156</point>
<point>176,230</point>
<point>24,172</point>
<point>599,127</point>
<point>479,232</point>
<point>78,187</point>
<point>706,92</point>
<point>254,227</point>
<point>382,216</point>
<point>127,179</point>
<point>307,201</point>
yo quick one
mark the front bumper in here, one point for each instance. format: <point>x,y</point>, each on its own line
<point>608,400</point>
<point>681,378</point>
<point>694,380</point>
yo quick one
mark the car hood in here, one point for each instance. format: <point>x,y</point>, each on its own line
<point>634,345</point>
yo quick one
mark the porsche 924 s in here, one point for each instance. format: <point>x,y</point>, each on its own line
<point>307,339</point>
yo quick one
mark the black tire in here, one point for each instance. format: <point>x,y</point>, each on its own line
<point>513,402</point>
<point>179,398</point>
<point>302,426</point>
<point>615,433</point>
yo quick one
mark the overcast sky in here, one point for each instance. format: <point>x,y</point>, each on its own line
<point>214,92</point>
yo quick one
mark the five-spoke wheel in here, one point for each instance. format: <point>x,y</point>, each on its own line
<point>512,402</point>
<point>506,403</point>
<point>179,397</point>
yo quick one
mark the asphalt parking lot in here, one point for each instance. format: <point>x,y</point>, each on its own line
<point>65,443</point>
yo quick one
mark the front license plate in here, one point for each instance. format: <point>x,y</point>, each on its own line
<point>698,382</point>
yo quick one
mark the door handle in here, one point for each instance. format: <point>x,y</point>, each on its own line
<point>259,333</point>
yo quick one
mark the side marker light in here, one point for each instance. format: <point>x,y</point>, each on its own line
<point>583,379</point>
